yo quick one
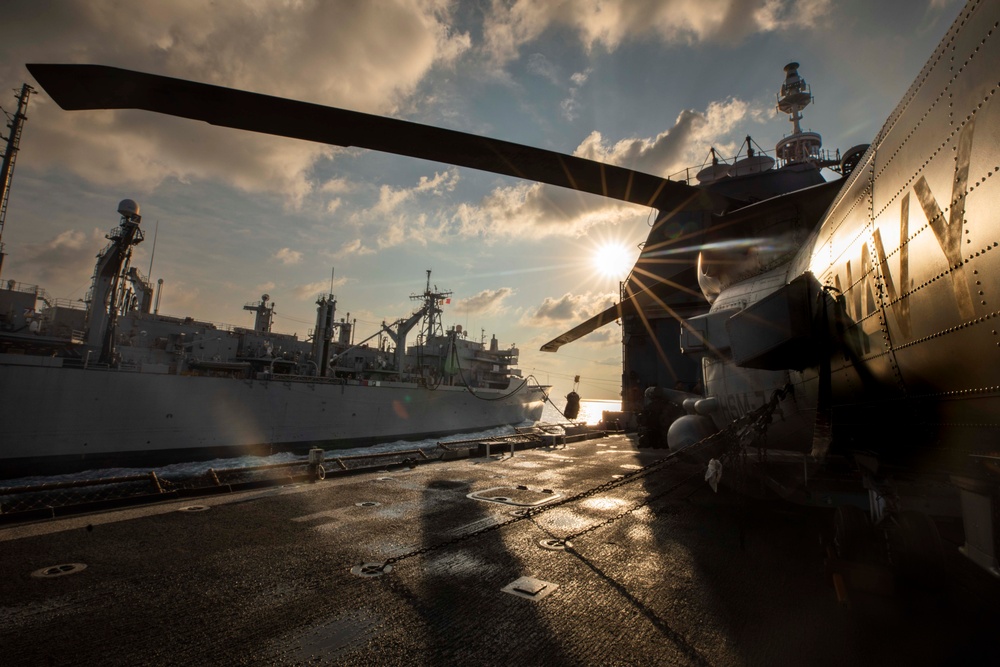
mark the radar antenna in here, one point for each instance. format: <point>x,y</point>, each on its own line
<point>431,309</point>
<point>800,146</point>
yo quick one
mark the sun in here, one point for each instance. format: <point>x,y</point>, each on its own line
<point>612,260</point>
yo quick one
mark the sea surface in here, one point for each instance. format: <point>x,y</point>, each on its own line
<point>590,412</point>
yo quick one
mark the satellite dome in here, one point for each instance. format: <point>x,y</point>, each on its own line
<point>128,208</point>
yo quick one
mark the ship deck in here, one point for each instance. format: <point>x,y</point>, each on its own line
<point>265,576</point>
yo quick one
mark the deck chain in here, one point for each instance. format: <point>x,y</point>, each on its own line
<point>751,427</point>
<point>741,433</point>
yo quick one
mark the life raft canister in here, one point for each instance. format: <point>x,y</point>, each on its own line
<point>572,405</point>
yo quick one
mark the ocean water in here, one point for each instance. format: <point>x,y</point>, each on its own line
<point>590,412</point>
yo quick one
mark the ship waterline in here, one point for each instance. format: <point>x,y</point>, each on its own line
<point>62,416</point>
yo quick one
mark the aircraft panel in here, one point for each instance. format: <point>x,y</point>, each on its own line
<point>832,239</point>
<point>949,357</point>
<point>847,243</point>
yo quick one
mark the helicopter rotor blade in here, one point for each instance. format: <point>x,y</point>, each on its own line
<point>615,312</point>
<point>77,87</point>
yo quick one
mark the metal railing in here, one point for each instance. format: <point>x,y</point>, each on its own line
<point>51,499</point>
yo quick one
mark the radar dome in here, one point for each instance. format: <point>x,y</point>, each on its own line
<point>751,165</point>
<point>128,208</point>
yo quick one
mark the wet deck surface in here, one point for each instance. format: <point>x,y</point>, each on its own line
<point>264,577</point>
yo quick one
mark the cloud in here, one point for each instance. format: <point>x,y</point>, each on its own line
<point>608,23</point>
<point>487,302</point>
<point>571,105</point>
<point>318,288</point>
<point>680,146</point>
<point>338,186</point>
<point>580,78</point>
<point>390,47</point>
<point>181,298</point>
<point>569,309</point>
<point>537,210</point>
<point>288,256</point>
<point>557,315</point>
<point>63,260</point>
<point>394,224</point>
<point>606,335</point>
<point>534,210</point>
<point>783,15</point>
<point>391,198</point>
<point>543,67</point>
<point>355,248</point>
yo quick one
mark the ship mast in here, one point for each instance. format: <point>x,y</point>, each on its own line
<point>432,323</point>
<point>16,125</point>
<point>800,146</point>
<point>106,293</point>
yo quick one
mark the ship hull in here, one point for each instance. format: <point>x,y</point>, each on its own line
<point>57,417</point>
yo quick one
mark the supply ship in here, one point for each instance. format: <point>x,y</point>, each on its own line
<point>117,383</point>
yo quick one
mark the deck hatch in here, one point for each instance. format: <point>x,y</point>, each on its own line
<point>520,496</point>
<point>529,587</point>
<point>59,570</point>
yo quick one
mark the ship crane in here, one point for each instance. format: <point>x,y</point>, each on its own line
<point>398,336</point>
<point>396,332</point>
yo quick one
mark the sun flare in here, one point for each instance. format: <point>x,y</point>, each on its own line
<point>612,260</point>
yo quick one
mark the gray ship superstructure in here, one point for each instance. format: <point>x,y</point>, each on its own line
<point>119,383</point>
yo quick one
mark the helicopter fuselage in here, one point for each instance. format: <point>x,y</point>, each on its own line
<point>885,319</point>
<point>907,256</point>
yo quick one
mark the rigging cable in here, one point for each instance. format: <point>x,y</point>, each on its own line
<point>461,375</point>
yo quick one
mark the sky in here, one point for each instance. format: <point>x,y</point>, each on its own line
<point>647,84</point>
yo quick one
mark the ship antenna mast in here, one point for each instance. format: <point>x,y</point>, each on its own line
<point>431,310</point>
<point>16,125</point>
<point>801,145</point>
